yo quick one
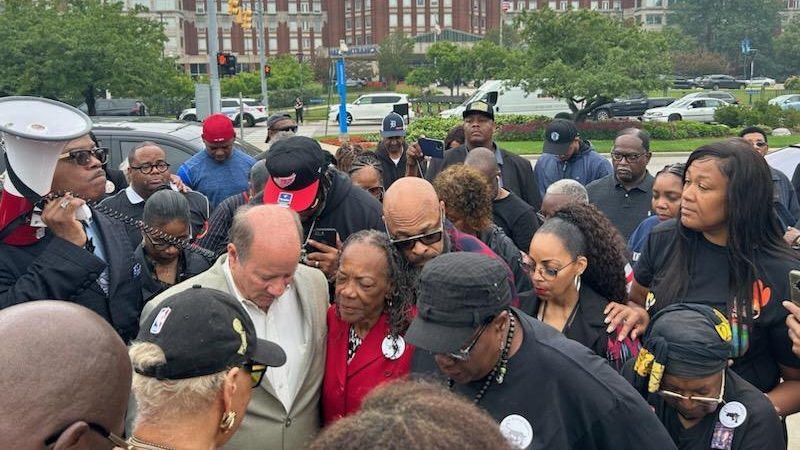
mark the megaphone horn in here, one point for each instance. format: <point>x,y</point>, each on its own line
<point>33,132</point>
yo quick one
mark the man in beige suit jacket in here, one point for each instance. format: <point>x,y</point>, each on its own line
<point>287,303</point>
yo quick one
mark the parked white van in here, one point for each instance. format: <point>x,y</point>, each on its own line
<point>512,100</point>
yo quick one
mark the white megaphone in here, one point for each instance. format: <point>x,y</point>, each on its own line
<point>33,132</point>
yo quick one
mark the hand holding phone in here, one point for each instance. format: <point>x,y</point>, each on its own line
<point>323,253</point>
<point>431,147</point>
<point>794,286</point>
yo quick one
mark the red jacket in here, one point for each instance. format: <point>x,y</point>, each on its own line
<point>345,385</point>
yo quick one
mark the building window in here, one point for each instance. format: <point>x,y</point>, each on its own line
<point>273,44</point>
<point>348,23</point>
<point>271,7</point>
<point>248,44</point>
<point>653,19</point>
<point>563,5</point>
<point>448,3</point>
<point>605,5</point>
<point>448,20</point>
<point>407,20</point>
<point>392,20</point>
<point>292,8</point>
<point>617,6</point>
<point>166,5</point>
<point>272,25</point>
<point>420,21</point>
<point>368,22</point>
<point>317,6</point>
<point>200,7</point>
<point>575,4</point>
<point>304,8</point>
<point>420,3</point>
<point>198,69</point>
<point>392,3</point>
<point>201,44</point>
<point>293,44</point>
<point>347,5</point>
<point>292,25</point>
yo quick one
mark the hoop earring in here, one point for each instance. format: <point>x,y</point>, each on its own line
<point>578,282</point>
<point>228,418</point>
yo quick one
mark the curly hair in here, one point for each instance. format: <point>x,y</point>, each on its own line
<point>414,415</point>
<point>402,296</point>
<point>465,192</point>
<point>599,241</point>
<point>346,154</point>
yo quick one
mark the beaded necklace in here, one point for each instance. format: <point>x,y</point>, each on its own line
<point>500,369</point>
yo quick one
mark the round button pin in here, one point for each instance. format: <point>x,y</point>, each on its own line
<point>393,348</point>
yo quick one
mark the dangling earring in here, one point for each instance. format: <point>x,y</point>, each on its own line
<point>228,418</point>
<point>578,282</point>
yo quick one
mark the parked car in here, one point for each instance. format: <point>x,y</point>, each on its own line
<point>628,107</point>
<point>697,109</point>
<point>355,82</point>
<point>254,111</point>
<point>760,81</point>
<point>371,107</point>
<point>116,107</point>
<point>310,101</point>
<point>682,82</point>
<point>721,81</point>
<point>180,140</point>
<point>720,95</point>
<point>788,101</point>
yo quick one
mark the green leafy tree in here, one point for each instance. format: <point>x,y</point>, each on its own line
<point>421,77</point>
<point>289,73</point>
<point>720,25</point>
<point>511,38</point>
<point>74,50</point>
<point>699,62</point>
<point>394,54</point>
<point>787,47</point>
<point>451,64</point>
<point>586,57</point>
<point>490,61</point>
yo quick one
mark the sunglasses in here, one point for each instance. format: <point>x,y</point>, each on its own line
<point>630,157</point>
<point>147,168</point>
<point>709,401</point>
<point>463,354</point>
<point>83,157</point>
<point>429,238</point>
<point>547,273</point>
<point>292,128</point>
<point>256,371</point>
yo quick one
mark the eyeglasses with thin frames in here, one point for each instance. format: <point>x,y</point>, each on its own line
<point>292,128</point>
<point>83,157</point>
<point>669,395</point>
<point>463,354</point>
<point>630,157</point>
<point>148,168</point>
<point>547,273</point>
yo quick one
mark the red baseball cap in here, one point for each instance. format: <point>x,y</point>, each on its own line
<point>295,166</point>
<point>218,128</point>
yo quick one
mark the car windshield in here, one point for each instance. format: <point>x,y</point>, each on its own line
<point>682,102</point>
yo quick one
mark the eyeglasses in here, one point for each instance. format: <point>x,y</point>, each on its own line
<point>463,354</point>
<point>97,428</point>
<point>292,128</point>
<point>426,239</point>
<point>540,215</point>
<point>256,371</point>
<point>148,168</point>
<point>631,157</point>
<point>83,157</point>
<point>547,273</point>
<point>161,245</point>
<point>376,191</point>
<point>760,144</point>
<point>710,401</point>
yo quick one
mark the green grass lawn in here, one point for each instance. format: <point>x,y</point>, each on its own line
<point>680,145</point>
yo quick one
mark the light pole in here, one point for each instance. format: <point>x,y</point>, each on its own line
<point>342,87</point>
<point>300,58</point>
<point>262,59</point>
<point>213,45</point>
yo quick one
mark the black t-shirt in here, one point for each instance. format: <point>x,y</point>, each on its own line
<point>769,343</point>
<point>761,429</point>
<point>567,396</point>
<point>517,219</point>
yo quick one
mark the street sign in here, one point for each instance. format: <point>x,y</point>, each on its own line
<point>745,45</point>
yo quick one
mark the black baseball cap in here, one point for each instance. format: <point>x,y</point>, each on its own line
<point>558,136</point>
<point>458,292</point>
<point>204,331</point>
<point>479,106</point>
<point>295,166</point>
<point>393,125</point>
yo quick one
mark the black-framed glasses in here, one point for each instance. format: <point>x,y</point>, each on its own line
<point>547,273</point>
<point>292,128</point>
<point>97,428</point>
<point>161,245</point>
<point>630,157</point>
<point>83,157</point>
<point>429,238</point>
<point>148,168</point>
<point>256,371</point>
<point>463,354</point>
<point>760,144</point>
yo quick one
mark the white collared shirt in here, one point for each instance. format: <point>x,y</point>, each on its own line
<point>133,196</point>
<point>282,324</point>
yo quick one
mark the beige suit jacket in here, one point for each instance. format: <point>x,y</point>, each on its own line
<point>267,424</point>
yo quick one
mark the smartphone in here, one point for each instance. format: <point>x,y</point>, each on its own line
<point>325,236</point>
<point>794,286</point>
<point>431,147</point>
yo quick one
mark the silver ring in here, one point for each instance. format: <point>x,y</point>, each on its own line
<point>316,264</point>
<point>63,204</point>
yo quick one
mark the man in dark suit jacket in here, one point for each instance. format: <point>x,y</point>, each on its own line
<point>516,172</point>
<point>88,262</point>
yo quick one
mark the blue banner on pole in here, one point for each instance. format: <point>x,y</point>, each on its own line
<point>342,89</point>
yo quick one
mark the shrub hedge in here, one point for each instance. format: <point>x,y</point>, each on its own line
<point>760,113</point>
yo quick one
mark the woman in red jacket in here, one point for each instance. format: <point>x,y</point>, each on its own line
<point>366,324</point>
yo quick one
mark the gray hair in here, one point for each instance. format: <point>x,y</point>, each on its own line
<point>160,400</point>
<point>242,232</point>
<point>570,188</point>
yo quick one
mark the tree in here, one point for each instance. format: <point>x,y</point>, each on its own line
<point>586,57</point>
<point>421,77</point>
<point>511,38</point>
<point>699,62</point>
<point>394,54</point>
<point>720,25</point>
<point>787,48</point>
<point>74,50</point>
<point>450,63</point>
<point>490,61</point>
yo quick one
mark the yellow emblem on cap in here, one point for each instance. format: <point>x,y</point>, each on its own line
<point>479,106</point>
<point>239,328</point>
<point>723,327</point>
<point>644,362</point>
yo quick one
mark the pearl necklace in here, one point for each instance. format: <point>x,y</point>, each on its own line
<point>500,370</point>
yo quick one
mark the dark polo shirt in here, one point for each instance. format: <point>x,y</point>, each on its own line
<point>625,209</point>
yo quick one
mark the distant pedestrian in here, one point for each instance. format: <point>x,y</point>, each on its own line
<point>298,110</point>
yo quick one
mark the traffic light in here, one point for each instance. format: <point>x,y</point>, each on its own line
<point>226,63</point>
<point>247,19</point>
<point>267,70</point>
<point>233,7</point>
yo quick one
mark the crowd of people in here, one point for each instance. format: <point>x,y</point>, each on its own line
<point>388,299</point>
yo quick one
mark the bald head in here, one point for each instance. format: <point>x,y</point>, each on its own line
<point>412,208</point>
<point>484,160</point>
<point>62,367</point>
<point>274,226</point>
